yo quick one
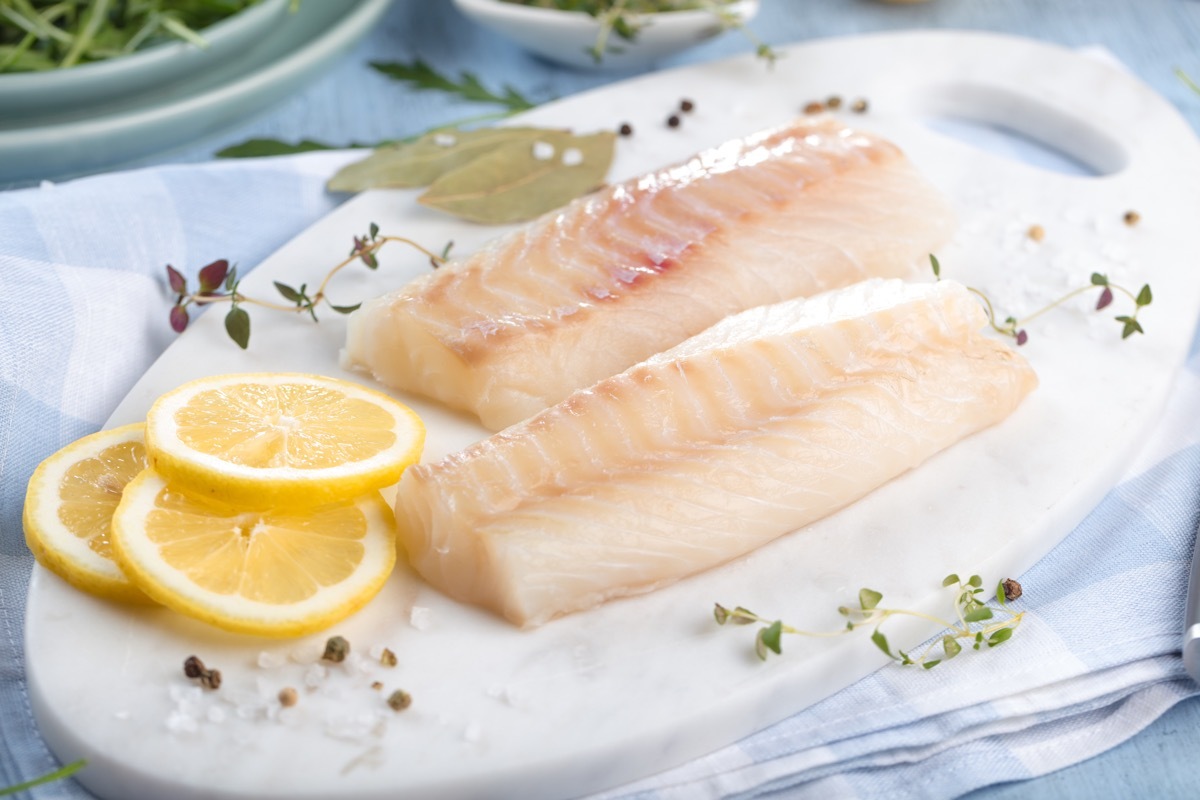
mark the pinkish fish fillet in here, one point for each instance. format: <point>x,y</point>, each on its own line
<point>767,421</point>
<point>638,267</point>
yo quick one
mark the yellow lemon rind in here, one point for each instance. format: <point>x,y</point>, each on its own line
<point>260,488</point>
<point>55,547</point>
<point>163,583</point>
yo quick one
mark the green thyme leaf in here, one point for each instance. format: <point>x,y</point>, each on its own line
<point>65,771</point>
<point>950,647</point>
<point>868,598</point>
<point>769,638</point>
<point>978,614</point>
<point>1099,280</point>
<point>289,293</point>
<point>931,664</point>
<point>950,579</point>
<point>1000,598</point>
<point>1144,297</point>
<point>423,161</point>
<point>720,613</point>
<point>975,580</point>
<point>881,642</point>
<point>937,266</point>
<point>345,309</point>
<point>237,325</point>
<point>421,76</point>
<point>513,183</point>
<point>1000,637</point>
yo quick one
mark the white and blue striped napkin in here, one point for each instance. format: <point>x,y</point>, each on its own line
<point>83,312</point>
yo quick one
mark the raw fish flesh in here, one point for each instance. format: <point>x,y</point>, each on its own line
<point>767,421</point>
<point>638,267</point>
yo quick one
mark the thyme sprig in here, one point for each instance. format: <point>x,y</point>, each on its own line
<point>974,621</point>
<point>218,282</point>
<point>59,774</point>
<point>1015,328</point>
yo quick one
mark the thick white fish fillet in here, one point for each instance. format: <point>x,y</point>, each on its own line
<point>633,269</point>
<point>758,426</point>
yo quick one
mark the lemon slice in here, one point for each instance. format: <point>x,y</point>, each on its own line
<point>69,505</point>
<point>279,572</point>
<point>269,439</point>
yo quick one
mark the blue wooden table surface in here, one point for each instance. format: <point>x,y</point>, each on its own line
<point>352,103</point>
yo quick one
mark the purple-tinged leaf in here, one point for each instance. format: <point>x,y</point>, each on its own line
<point>176,280</point>
<point>179,319</point>
<point>212,276</point>
<point>370,260</point>
<point>1106,297</point>
<point>1022,337</point>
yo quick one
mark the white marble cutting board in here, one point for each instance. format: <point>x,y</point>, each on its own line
<point>639,685</point>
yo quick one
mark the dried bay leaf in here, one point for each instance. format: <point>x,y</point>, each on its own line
<point>513,184</point>
<point>420,163</point>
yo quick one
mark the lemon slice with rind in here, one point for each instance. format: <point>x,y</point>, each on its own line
<point>278,572</point>
<point>281,438</point>
<point>69,504</point>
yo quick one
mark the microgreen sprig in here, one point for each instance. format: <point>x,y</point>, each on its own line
<point>1015,328</point>
<point>974,621</point>
<point>219,283</point>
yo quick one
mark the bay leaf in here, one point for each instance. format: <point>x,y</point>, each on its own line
<point>513,184</point>
<point>421,162</point>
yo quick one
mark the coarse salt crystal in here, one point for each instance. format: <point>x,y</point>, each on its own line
<point>178,722</point>
<point>444,139</point>
<point>421,617</point>
<point>314,675</point>
<point>269,660</point>
<point>543,151</point>
<point>572,157</point>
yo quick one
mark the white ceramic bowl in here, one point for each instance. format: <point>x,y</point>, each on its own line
<point>103,82</point>
<point>568,36</point>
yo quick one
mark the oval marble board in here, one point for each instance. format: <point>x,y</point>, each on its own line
<point>604,697</point>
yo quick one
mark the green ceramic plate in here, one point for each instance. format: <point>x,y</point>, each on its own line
<point>73,140</point>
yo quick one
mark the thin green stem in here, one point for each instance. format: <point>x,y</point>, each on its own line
<point>58,774</point>
<point>92,21</point>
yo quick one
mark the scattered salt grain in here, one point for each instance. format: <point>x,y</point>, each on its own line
<point>444,139</point>
<point>543,151</point>
<point>178,722</point>
<point>314,675</point>
<point>421,617</point>
<point>269,660</point>
<point>572,157</point>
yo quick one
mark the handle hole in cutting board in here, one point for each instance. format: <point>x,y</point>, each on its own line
<point>1021,128</point>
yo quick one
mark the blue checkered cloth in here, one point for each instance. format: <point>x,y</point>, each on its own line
<point>83,313</point>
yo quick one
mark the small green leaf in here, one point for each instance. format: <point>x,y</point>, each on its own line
<point>345,309</point>
<point>1131,327</point>
<point>512,184</point>
<point>950,579</point>
<point>1144,297</point>
<point>937,267</point>
<point>978,614</point>
<point>975,581</point>
<point>237,325</point>
<point>881,642</point>
<point>950,647</point>
<point>771,636</point>
<point>373,231</point>
<point>1099,280</point>
<point>1000,637</point>
<point>868,598</point>
<point>743,616</point>
<point>420,75</point>
<point>289,293</point>
<point>1000,594</point>
<point>720,613</point>
<point>231,279</point>
<point>260,148</point>
<point>931,664</point>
